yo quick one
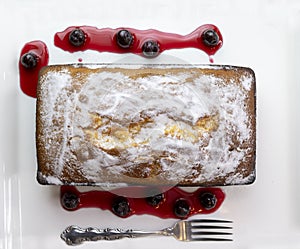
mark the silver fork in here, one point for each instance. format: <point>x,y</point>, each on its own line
<point>185,230</point>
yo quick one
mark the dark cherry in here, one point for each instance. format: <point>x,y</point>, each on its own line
<point>182,208</point>
<point>150,49</point>
<point>208,200</point>
<point>124,38</point>
<point>210,38</point>
<point>121,207</point>
<point>77,37</point>
<point>29,60</point>
<point>155,200</point>
<point>70,200</point>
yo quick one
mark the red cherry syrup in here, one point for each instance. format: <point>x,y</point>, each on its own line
<point>104,40</point>
<point>29,76</point>
<point>165,209</point>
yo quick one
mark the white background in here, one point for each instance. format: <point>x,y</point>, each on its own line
<point>262,35</point>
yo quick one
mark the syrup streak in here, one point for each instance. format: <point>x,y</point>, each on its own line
<point>29,76</point>
<point>138,206</point>
<point>104,40</point>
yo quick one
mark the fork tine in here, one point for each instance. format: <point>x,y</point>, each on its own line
<point>210,221</point>
<point>209,227</point>
<point>210,239</point>
<point>211,233</point>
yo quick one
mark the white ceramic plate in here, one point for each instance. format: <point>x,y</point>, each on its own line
<point>263,35</point>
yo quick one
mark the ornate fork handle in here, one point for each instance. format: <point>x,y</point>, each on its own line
<point>75,235</point>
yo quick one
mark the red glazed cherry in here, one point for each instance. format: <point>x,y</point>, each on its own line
<point>121,207</point>
<point>210,38</point>
<point>124,38</point>
<point>70,200</point>
<point>155,200</point>
<point>77,37</point>
<point>150,49</point>
<point>208,200</point>
<point>29,60</point>
<point>182,208</point>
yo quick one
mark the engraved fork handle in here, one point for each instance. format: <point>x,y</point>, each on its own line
<point>75,235</point>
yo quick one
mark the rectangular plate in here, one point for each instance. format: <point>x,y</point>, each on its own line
<point>262,35</point>
<point>156,124</point>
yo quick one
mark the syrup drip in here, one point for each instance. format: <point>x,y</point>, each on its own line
<point>104,40</point>
<point>29,76</point>
<point>139,206</point>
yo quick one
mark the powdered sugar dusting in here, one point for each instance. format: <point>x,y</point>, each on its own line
<point>114,122</point>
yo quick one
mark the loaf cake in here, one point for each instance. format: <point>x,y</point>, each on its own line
<point>120,125</point>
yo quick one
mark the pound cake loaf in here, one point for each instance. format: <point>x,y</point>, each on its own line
<point>116,125</point>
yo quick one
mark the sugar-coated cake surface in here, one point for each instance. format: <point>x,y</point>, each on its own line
<point>116,124</point>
